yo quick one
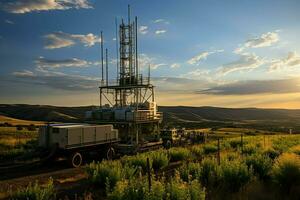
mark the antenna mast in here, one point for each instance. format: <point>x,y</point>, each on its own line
<point>117,48</point>
<point>101,58</point>
<point>106,63</point>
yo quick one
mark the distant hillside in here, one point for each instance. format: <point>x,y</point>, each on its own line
<point>44,112</point>
<point>271,119</point>
<point>277,119</point>
<point>14,121</point>
<point>229,114</point>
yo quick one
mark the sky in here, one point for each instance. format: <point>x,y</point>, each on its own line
<point>202,53</point>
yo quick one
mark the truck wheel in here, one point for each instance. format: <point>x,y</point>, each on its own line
<point>76,159</point>
<point>110,153</point>
<point>168,144</point>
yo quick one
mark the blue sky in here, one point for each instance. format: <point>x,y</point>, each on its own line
<point>215,53</point>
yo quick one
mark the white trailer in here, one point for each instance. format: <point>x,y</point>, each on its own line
<point>72,140</point>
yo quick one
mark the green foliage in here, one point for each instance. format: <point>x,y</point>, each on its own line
<point>234,143</point>
<point>178,154</point>
<point>234,175</point>
<point>138,189</point>
<point>189,171</point>
<point>284,143</point>
<point>230,156</point>
<point>286,171</point>
<point>106,172</point>
<point>209,172</point>
<point>210,148</point>
<point>260,164</point>
<point>137,161</point>
<point>249,149</point>
<point>177,189</point>
<point>271,153</point>
<point>157,191</point>
<point>159,160</point>
<point>197,152</point>
<point>35,192</point>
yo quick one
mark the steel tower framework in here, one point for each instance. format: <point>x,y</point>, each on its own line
<point>131,101</point>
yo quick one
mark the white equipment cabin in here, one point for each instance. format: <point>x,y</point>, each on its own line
<point>72,140</point>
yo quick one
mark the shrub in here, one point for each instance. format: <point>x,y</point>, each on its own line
<point>235,143</point>
<point>282,144</point>
<point>177,189</point>
<point>286,171</point>
<point>230,156</point>
<point>137,161</point>
<point>159,160</point>
<point>271,153</point>
<point>189,171</point>
<point>137,189</point>
<point>35,192</point>
<point>208,174</point>
<point>260,164</point>
<point>178,154</point>
<point>31,127</point>
<point>249,149</point>
<point>197,152</point>
<point>106,172</point>
<point>19,127</point>
<point>296,150</point>
<point>195,191</point>
<point>210,148</point>
<point>234,175</point>
<point>157,191</point>
<point>134,190</point>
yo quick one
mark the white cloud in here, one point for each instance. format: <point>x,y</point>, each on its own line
<point>9,21</point>
<point>145,61</point>
<point>161,31</point>
<point>26,6</point>
<point>143,29</point>
<point>265,40</point>
<point>197,73</point>
<point>246,62</point>
<point>24,73</point>
<point>155,66</point>
<point>292,60</point>
<point>161,21</point>
<point>202,56</point>
<point>175,65</point>
<point>73,62</point>
<point>60,39</point>
<point>57,80</point>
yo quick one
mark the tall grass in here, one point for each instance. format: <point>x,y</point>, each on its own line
<point>286,171</point>
<point>35,192</point>
<point>179,154</point>
<point>159,160</point>
<point>234,175</point>
<point>261,165</point>
<point>138,189</point>
<point>106,172</point>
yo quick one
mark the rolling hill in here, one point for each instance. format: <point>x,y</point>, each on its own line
<point>186,116</point>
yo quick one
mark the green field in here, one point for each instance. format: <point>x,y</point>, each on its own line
<point>251,167</point>
<point>16,143</point>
